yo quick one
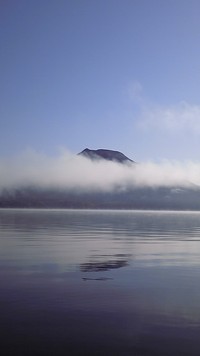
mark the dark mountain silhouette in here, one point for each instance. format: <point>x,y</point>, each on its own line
<point>108,155</point>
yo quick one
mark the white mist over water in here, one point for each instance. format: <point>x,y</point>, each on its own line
<point>68,171</point>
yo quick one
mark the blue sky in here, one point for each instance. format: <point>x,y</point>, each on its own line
<point>122,75</point>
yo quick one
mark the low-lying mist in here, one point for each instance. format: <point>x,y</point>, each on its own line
<point>70,171</point>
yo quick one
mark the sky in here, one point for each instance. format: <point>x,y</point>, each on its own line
<point>115,74</point>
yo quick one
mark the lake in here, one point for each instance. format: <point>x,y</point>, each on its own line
<point>83,282</point>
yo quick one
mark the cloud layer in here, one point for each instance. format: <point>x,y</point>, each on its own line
<point>68,171</point>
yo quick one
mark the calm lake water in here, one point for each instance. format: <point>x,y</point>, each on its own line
<point>99,283</point>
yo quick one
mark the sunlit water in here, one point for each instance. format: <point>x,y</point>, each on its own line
<point>99,283</point>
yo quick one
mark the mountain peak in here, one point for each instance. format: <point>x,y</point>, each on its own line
<point>106,154</point>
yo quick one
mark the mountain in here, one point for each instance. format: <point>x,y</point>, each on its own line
<point>105,154</point>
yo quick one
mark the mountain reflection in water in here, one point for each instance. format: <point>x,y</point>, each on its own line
<point>106,265</point>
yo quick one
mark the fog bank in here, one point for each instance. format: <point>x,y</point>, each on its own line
<point>70,171</point>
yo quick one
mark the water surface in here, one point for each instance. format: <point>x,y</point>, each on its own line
<point>99,282</point>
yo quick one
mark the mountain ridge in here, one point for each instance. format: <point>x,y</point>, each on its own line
<point>106,154</point>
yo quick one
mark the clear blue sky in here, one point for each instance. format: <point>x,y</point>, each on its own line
<point>117,74</point>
